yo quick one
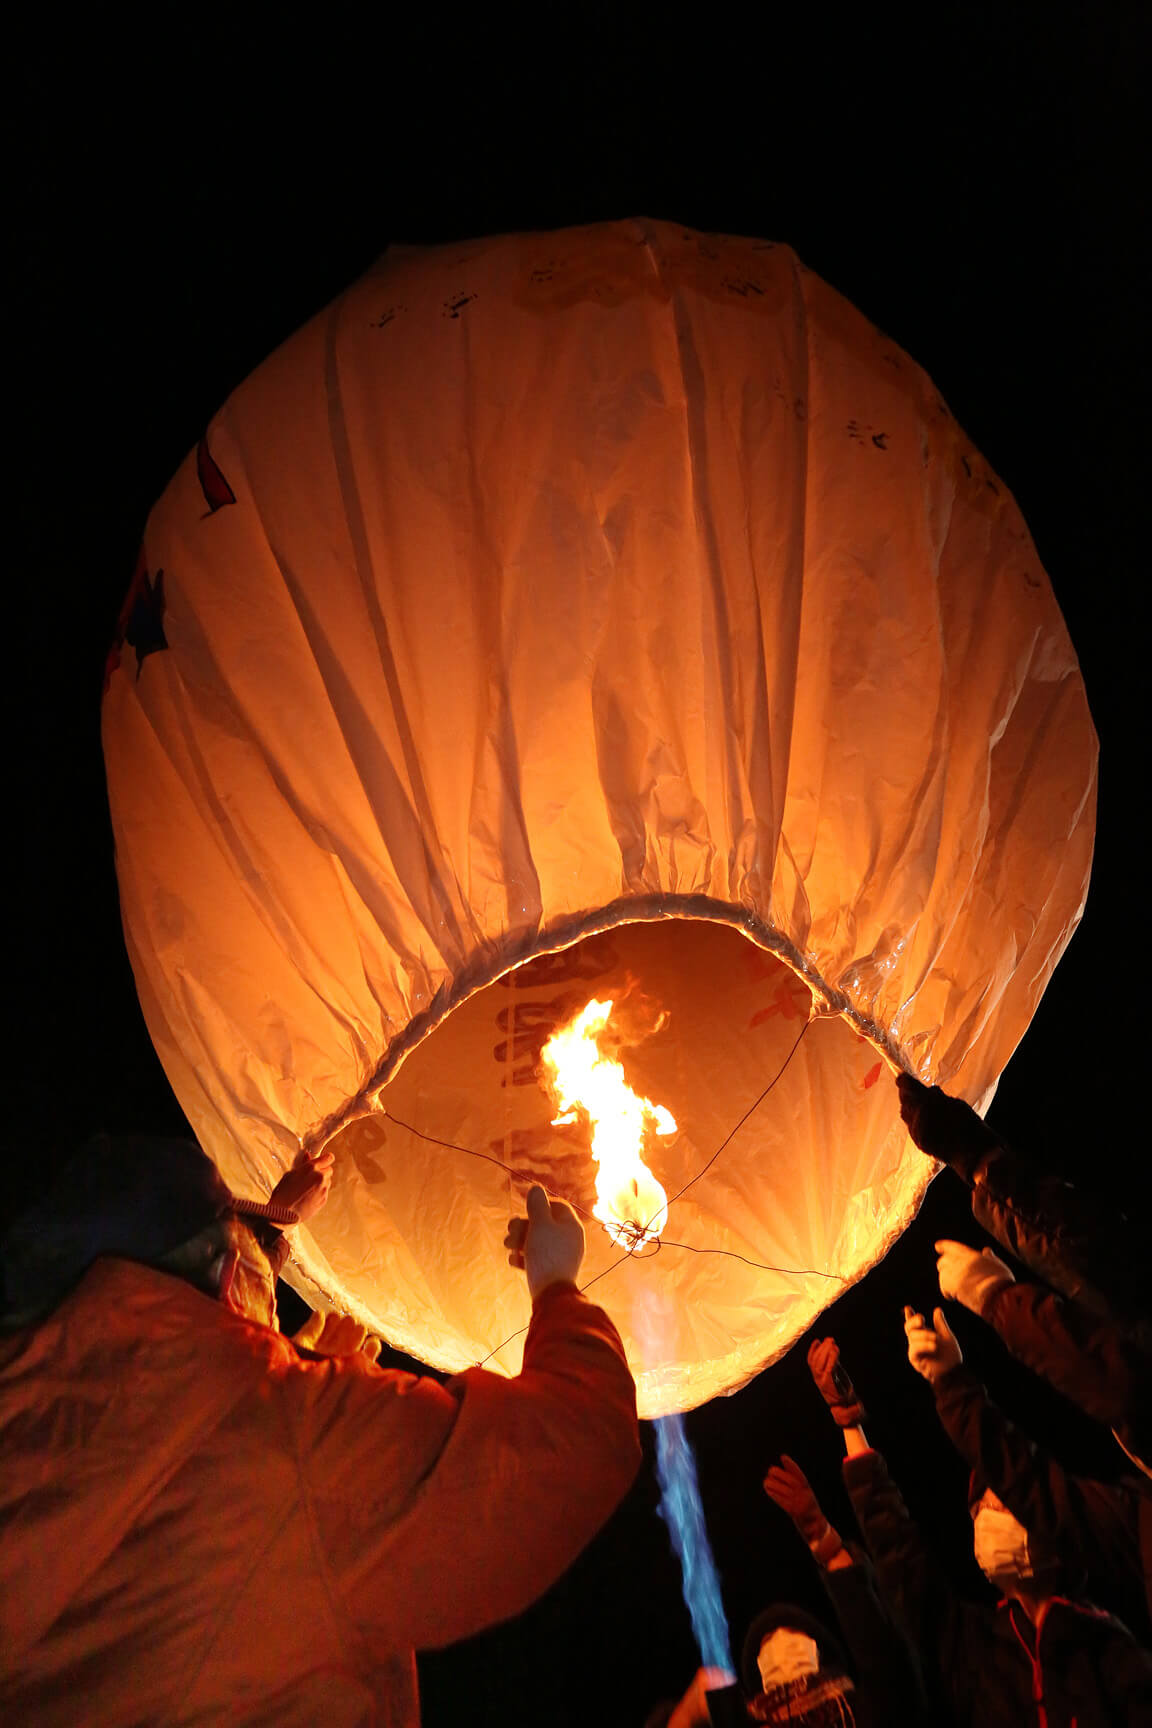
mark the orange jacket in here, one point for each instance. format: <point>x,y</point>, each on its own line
<point>197,1525</point>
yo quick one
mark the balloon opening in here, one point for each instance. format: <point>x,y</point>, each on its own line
<point>787,1175</point>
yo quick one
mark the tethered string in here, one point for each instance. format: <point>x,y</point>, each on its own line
<point>641,1231</point>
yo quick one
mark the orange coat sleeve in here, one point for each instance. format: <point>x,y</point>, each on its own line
<point>440,1510</point>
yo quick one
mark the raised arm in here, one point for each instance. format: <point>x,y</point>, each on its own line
<point>1087,1249</point>
<point>1087,1526</point>
<point>905,1609</point>
<point>441,1510</point>
<point>886,1664</point>
<point>1084,1356</point>
<point>948,1635</point>
<point>788,1486</point>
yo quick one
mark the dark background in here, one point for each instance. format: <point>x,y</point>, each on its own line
<point>183,194</point>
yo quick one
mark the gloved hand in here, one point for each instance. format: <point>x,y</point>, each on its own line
<point>304,1189</point>
<point>944,1127</point>
<point>970,1275</point>
<point>336,1335</point>
<point>787,1484</point>
<point>692,1710</point>
<point>833,1384</point>
<point>548,1245</point>
<point>932,1350</point>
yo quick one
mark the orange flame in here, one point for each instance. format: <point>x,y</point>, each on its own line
<point>630,1203</point>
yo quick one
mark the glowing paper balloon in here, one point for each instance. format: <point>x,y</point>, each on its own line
<point>618,601</point>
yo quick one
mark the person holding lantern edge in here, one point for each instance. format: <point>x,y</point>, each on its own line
<point>178,1476</point>
<point>1085,1329</point>
<point>1044,1653</point>
<point>1089,1342</point>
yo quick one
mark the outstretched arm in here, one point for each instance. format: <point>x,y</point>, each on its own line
<point>904,1614</point>
<point>1087,1249</point>
<point>947,1634</point>
<point>788,1486</point>
<point>692,1710</point>
<point>441,1510</point>
<point>1085,1525</point>
<point>1084,1357</point>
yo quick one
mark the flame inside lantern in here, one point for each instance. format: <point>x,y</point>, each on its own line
<point>630,1203</point>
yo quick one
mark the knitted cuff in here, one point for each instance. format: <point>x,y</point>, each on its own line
<point>282,1215</point>
<point>826,1546</point>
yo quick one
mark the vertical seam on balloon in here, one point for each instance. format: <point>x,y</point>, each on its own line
<point>494,658</point>
<point>350,495</point>
<point>801,490</point>
<point>706,540</point>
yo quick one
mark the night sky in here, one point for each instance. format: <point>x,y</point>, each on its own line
<point>184,197</point>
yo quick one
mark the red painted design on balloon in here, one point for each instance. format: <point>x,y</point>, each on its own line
<point>215,488</point>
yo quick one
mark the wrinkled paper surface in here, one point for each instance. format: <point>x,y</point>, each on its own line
<point>618,600</point>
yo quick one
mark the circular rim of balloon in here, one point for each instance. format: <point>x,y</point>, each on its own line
<point>567,933</point>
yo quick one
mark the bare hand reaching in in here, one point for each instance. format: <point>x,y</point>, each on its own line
<point>305,1188</point>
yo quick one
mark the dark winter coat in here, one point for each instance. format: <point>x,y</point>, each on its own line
<point>889,1684</point>
<point>1099,1530</point>
<point>985,1666</point>
<point>1088,1249</point>
<point>1083,1355</point>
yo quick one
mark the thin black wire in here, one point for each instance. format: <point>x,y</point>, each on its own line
<point>629,1255</point>
<point>752,1108</point>
<point>470,1152</point>
<point>633,1252</point>
<point>760,1265</point>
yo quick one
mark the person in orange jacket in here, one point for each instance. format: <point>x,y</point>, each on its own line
<point>201,1521</point>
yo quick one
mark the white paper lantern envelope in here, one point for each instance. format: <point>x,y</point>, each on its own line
<point>622,602</point>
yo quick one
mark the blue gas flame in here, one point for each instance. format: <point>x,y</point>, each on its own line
<point>681,1510</point>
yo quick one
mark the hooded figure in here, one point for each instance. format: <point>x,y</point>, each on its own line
<point>795,1670</point>
<point>160,1202</point>
<point>177,1478</point>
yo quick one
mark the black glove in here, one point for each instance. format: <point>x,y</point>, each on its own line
<point>945,1127</point>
